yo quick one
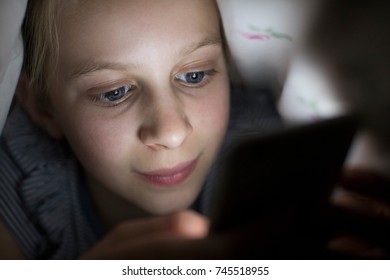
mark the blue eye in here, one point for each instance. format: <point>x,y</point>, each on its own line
<point>115,96</point>
<point>193,78</point>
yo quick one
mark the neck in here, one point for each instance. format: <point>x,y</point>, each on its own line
<point>112,209</point>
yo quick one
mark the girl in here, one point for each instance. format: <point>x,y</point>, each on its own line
<point>124,107</point>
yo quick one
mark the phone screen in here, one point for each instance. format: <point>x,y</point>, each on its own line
<point>283,176</point>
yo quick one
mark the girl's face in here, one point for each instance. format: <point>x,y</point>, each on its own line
<point>141,93</point>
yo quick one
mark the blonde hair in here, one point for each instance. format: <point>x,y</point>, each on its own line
<point>40,35</point>
<point>41,46</point>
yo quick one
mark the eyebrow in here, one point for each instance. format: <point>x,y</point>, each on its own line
<point>90,66</point>
<point>211,41</point>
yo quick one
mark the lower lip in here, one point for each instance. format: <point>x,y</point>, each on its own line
<point>171,179</point>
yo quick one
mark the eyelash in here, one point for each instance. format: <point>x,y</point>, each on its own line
<point>205,79</point>
<point>104,99</point>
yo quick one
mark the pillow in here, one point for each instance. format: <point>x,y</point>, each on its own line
<point>11,52</point>
<point>266,41</point>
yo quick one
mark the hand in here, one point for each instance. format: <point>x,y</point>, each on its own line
<point>363,202</point>
<point>155,238</point>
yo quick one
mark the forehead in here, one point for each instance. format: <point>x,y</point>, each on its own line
<point>84,18</point>
<point>124,29</point>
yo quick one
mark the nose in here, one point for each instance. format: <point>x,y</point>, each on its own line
<point>165,124</point>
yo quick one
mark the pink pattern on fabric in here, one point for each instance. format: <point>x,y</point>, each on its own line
<point>253,36</point>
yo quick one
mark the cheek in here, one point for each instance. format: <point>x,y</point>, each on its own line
<point>99,144</point>
<point>214,111</point>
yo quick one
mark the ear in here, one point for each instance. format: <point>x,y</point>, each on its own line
<point>28,100</point>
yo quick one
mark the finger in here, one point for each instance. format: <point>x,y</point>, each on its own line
<point>366,182</point>
<point>343,221</point>
<point>160,248</point>
<point>136,239</point>
<point>360,203</point>
<point>357,247</point>
<point>188,224</point>
<point>363,210</point>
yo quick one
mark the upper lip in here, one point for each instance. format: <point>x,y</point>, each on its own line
<point>169,171</point>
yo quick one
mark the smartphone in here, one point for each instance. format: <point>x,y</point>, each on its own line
<point>281,179</point>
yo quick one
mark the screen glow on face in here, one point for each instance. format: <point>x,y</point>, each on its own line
<point>151,99</point>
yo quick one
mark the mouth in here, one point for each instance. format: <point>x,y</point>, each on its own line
<point>166,177</point>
